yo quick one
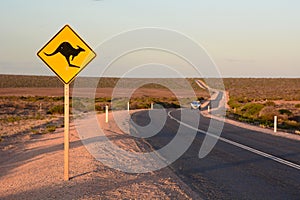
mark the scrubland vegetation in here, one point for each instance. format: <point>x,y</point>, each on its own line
<point>251,100</point>
<point>257,101</point>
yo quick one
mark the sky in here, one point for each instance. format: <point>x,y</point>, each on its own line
<point>244,38</point>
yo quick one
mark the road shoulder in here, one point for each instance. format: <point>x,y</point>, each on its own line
<point>34,170</point>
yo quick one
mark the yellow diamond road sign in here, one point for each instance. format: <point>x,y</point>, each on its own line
<point>66,54</point>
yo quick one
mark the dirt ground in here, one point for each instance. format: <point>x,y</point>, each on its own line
<point>32,168</point>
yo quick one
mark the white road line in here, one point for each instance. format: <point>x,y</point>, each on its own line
<point>258,152</point>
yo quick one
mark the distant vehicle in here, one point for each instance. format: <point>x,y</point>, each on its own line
<point>196,105</point>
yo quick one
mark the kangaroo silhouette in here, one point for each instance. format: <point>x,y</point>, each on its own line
<point>67,51</point>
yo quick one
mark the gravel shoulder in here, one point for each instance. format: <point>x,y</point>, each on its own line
<point>33,169</point>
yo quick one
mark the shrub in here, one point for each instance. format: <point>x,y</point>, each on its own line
<point>252,109</point>
<point>99,107</point>
<point>58,109</point>
<point>201,99</point>
<point>297,105</point>
<point>32,98</point>
<point>12,119</point>
<point>243,100</point>
<point>285,112</point>
<point>34,131</point>
<point>234,103</point>
<point>103,99</point>
<point>51,128</point>
<point>268,113</point>
<point>270,103</point>
<point>38,116</point>
<point>290,124</point>
<point>58,98</point>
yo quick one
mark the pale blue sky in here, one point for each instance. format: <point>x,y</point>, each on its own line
<point>245,38</point>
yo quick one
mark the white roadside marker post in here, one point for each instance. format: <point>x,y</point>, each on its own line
<point>151,106</point>
<point>208,109</point>
<point>275,124</point>
<point>128,106</point>
<point>66,135</point>
<point>106,114</point>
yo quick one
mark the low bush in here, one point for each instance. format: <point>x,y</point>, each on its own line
<point>268,113</point>
<point>58,98</point>
<point>58,109</point>
<point>251,110</point>
<point>103,99</point>
<point>100,107</point>
<point>233,104</point>
<point>201,99</point>
<point>12,119</point>
<point>285,112</point>
<point>34,131</point>
<point>289,124</point>
<point>50,128</point>
<point>270,103</point>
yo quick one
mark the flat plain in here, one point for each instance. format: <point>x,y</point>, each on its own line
<point>31,133</point>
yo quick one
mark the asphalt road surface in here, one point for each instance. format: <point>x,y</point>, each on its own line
<point>243,164</point>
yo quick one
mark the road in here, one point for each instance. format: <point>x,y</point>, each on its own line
<point>244,164</point>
